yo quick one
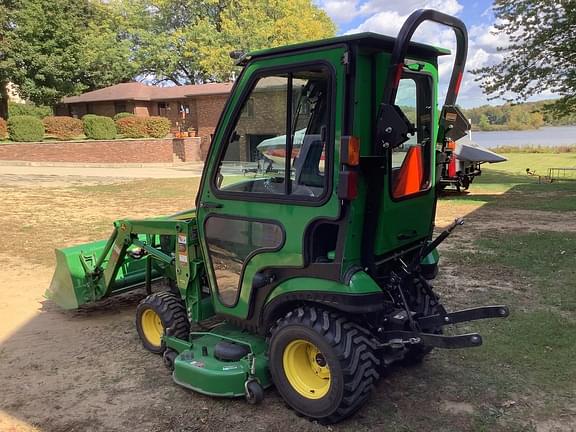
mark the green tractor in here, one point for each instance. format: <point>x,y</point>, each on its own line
<point>307,261</point>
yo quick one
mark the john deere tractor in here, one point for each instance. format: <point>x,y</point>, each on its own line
<point>308,259</point>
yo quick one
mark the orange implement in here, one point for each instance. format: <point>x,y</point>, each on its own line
<point>409,179</point>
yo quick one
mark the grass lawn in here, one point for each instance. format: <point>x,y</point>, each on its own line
<point>528,262</point>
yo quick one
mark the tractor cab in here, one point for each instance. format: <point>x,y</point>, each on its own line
<point>307,261</point>
<point>323,163</point>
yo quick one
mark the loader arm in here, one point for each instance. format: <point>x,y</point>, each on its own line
<point>132,257</point>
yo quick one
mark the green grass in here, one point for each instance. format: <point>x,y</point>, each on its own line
<point>506,184</point>
<point>535,149</point>
<point>518,162</point>
<point>530,355</point>
<point>529,350</point>
<point>546,258</point>
<point>533,349</point>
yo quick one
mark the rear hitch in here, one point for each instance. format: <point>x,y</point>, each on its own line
<point>473,314</point>
<point>397,338</point>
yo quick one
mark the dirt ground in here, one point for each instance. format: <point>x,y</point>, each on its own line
<point>85,370</point>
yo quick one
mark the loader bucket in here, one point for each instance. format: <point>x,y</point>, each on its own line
<point>72,284</point>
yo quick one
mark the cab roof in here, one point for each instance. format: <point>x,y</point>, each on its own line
<point>365,41</point>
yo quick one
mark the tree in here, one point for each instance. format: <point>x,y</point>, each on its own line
<point>53,48</point>
<point>189,41</point>
<point>541,55</point>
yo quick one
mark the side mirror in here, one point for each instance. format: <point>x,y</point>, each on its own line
<point>453,123</point>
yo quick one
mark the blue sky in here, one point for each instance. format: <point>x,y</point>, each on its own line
<point>387,16</point>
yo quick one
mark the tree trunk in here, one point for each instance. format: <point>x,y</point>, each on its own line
<point>4,100</point>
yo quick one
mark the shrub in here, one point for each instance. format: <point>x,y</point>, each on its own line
<point>3,129</point>
<point>122,115</point>
<point>158,127</point>
<point>25,128</point>
<point>87,116</point>
<point>132,127</point>
<point>98,127</point>
<point>20,109</point>
<point>63,127</point>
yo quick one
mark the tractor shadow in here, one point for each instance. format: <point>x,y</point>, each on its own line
<point>86,370</point>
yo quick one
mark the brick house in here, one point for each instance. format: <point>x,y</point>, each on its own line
<point>190,106</point>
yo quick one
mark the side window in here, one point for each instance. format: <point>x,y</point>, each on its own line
<point>230,243</point>
<point>277,144</point>
<point>411,161</point>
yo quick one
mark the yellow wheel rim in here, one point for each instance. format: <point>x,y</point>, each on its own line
<point>306,369</point>
<point>152,327</point>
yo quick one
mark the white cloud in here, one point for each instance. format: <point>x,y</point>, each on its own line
<point>341,11</point>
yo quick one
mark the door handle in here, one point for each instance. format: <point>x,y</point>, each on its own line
<point>407,235</point>
<point>210,205</point>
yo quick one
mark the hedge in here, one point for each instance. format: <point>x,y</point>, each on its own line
<point>20,109</point>
<point>132,127</point>
<point>158,127</point>
<point>25,128</point>
<point>3,129</point>
<point>98,127</point>
<point>62,127</point>
<point>122,115</point>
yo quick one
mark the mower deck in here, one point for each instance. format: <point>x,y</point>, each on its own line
<point>200,366</point>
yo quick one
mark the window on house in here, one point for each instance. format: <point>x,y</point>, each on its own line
<point>120,107</point>
<point>163,109</point>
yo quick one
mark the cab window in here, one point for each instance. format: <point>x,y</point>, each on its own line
<point>411,171</point>
<point>277,145</point>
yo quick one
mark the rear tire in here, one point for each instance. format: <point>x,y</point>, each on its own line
<point>322,364</point>
<point>155,314</point>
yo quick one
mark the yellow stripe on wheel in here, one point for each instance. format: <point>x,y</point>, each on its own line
<point>306,369</point>
<point>152,327</point>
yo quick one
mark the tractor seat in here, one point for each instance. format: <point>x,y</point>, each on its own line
<point>228,351</point>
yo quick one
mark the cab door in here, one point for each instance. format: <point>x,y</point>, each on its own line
<point>269,173</point>
<point>408,203</point>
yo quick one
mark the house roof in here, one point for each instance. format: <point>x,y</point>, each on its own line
<point>142,92</point>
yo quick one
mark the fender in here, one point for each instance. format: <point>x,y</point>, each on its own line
<point>362,295</point>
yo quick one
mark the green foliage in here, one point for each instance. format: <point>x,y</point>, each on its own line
<point>18,109</point>
<point>540,55</point>
<point>122,115</point>
<point>506,117</point>
<point>25,128</point>
<point>132,127</point>
<point>189,41</point>
<point>99,127</point>
<point>158,127</point>
<point>535,149</point>
<point>52,48</point>
<point>63,127</point>
<point>3,129</point>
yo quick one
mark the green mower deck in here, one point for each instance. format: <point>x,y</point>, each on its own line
<point>197,367</point>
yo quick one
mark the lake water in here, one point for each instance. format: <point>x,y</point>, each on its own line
<point>547,136</point>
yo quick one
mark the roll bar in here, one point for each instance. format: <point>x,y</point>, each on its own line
<point>401,47</point>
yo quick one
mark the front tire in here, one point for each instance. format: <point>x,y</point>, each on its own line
<point>322,364</point>
<point>155,314</point>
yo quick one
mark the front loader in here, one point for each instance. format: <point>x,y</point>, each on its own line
<point>312,271</point>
